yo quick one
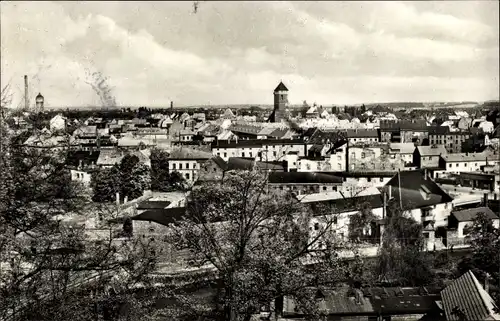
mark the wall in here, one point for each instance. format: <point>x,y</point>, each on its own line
<point>457,167</point>
<point>187,168</point>
<point>429,161</point>
<point>81,176</point>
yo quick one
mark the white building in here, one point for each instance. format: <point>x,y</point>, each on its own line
<point>57,123</point>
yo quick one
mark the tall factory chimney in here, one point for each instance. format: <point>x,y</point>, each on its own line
<point>26,97</point>
<point>171,105</point>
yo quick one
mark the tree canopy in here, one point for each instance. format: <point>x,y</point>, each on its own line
<point>257,240</point>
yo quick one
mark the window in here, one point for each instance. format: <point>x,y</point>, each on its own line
<point>187,166</point>
<point>218,154</point>
<point>456,165</point>
<point>180,166</point>
<point>363,155</point>
<point>381,179</point>
<point>187,175</point>
<point>250,154</point>
<point>243,154</point>
<point>173,165</point>
<point>274,154</point>
<point>449,165</point>
<point>316,226</point>
<point>335,221</point>
<point>225,155</point>
<point>334,188</point>
<point>324,188</point>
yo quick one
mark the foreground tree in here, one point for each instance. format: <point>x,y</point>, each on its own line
<point>258,242</point>
<point>485,258</point>
<point>49,268</point>
<point>401,258</point>
<point>130,178</point>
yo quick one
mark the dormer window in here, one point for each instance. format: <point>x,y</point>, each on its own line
<point>425,192</point>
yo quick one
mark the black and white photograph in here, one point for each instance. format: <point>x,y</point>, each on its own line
<point>250,160</point>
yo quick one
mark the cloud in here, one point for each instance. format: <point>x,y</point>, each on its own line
<point>232,52</point>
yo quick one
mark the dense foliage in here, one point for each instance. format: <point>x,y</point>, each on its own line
<point>50,267</point>
<point>485,258</point>
<point>257,241</point>
<point>161,179</point>
<point>402,259</point>
<point>130,179</point>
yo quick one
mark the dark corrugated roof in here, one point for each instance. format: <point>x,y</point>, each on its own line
<point>220,162</point>
<point>466,296</point>
<point>281,87</point>
<point>416,191</point>
<point>153,205</point>
<point>73,157</point>
<point>164,216</point>
<point>471,213</point>
<point>241,163</point>
<point>303,178</point>
<point>362,133</point>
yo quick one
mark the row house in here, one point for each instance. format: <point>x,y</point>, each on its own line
<point>464,162</point>
<point>404,131</point>
<point>362,135</point>
<point>302,183</point>
<point>451,140</point>
<point>404,150</point>
<point>428,156</point>
<point>372,156</point>
<point>187,162</point>
<point>321,158</point>
<point>261,149</point>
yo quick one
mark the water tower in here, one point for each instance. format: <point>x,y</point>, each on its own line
<point>39,102</point>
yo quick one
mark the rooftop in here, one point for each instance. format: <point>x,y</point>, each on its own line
<point>470,214</point>
<point>434,150</point>
<point>466,296</point>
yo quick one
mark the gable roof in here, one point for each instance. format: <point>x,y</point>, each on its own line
<point>470,214</point>
<point>402,148</point>
<point>303,178</point>
<point>163,216</point>
<point>189,153</point>
<point>432,151</point>
<point>241,163</point>
<point>416,190</point>
<point>468,296</point>
<point>465,157</point>
<point>362,133</point>
<point>281,87</point>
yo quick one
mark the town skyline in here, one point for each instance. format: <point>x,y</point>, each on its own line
<point>236,53</point>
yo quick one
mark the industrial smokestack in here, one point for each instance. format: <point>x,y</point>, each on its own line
<point>171,105</point>
<point>26,101</point>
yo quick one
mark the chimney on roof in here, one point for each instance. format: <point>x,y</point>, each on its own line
<point>26,97</point>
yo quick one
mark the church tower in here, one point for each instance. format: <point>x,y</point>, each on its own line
<point>280,103</point>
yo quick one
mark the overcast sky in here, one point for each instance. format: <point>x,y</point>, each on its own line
<point>237,52</point>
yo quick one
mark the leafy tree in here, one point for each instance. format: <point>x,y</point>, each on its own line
<point>360,223</point>
<point>485,258</point>
<point>130,178</point>
<point>159,170</point>
<point>257,241</point>
<point>105,184</point>
<point>49,268</point>
<point>401,258</point>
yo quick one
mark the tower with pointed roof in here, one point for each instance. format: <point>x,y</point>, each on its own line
<point>280,103</point>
